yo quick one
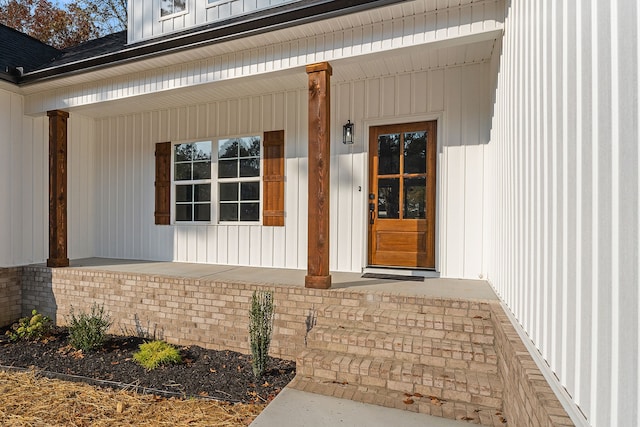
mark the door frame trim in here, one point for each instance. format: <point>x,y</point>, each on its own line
<point>439,118</point>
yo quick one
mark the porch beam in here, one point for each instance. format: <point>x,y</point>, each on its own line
<point>58,189</point>
<point>319,161</point>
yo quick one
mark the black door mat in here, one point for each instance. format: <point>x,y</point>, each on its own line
<point>392,277</point>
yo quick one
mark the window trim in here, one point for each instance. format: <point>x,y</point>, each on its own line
<point>174,14</point>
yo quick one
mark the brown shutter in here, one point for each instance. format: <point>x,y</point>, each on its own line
<point>273,178</point>
<point>163,183</point>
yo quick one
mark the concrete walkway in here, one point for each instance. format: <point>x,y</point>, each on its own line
<point>294,408</point>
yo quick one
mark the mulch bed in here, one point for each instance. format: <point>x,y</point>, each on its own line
<point>28,400</point>
<point>220,375</point>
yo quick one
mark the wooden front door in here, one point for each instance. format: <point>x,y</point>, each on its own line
<point>402,199</point>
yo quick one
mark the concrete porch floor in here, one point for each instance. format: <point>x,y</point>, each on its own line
<point>431,287</point>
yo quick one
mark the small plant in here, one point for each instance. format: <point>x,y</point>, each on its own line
<point>143,331</point>
<point>31,327</point>
<point>260,329</point>
<point>155,353</point>
<point>87,331</point>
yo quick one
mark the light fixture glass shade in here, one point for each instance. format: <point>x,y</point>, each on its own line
<point>347,133</point>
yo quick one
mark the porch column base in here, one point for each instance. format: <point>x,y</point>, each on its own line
<point>317,282</point>
<point>58,262</point>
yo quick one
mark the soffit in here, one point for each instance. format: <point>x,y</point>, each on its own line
<point>429,57</point>
<point>300,32</point>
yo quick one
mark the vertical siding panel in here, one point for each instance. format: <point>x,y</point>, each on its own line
<point>6,172</point>
<point>212,245</point>
<point>40,183</point>
<point>245,245</point>
<point>233,244</point>
<point>28,190</point>
<point>291,142</point>
<point>573,279</point>
<point>419,93</point>
<point>471,82</point>
<point>454,176</point>
<point>341,183</point>
<point>16,160</point>
<point>302,174</point>
<point>626,221</point>
<point>129,208</point>
<point>373,98</point>
<point>74,177</point>
<point>436,90</point>
<point>388,97</point>
<point>360,173</point>
<point>255,248</point>
<point>404,95</point>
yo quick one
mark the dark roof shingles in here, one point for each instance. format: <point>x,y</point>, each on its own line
<point>20,50</point>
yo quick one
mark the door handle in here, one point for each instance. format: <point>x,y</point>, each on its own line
<point>372,213</point>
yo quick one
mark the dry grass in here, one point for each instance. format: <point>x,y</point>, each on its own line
<point>29,400</point>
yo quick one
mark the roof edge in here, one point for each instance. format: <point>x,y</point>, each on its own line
<point>144,50</point>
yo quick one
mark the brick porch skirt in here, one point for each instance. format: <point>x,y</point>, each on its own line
<point>214,314</point>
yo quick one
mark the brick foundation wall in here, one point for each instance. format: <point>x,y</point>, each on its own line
<point>528,399</point>
<point>186,311</point>
<point>209,313</point>
<point>10,295</point>
<point>214,315</point>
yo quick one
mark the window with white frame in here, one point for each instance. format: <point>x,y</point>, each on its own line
<point>170,7</point>
<point>192,182</point>
<point>239,179</point>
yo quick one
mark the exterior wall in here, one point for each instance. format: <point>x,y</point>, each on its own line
<point>124,172</point>
<point>81,203</point>
<point>24,166</point>
<point>145,22</point>
<point>10,295</point>
<point>563,195</point>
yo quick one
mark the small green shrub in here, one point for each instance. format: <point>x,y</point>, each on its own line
<point>87,331</point>
<point>31,327</point>
<point>155,353</point>
<point>260,329</point>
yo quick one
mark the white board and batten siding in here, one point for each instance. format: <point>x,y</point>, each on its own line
<point>24,191</point>
<point>24,184</point>
<point>564,193</point>
<point>146,22</point>
<point>124,166</point>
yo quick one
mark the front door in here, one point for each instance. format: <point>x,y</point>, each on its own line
<point>402,199</point>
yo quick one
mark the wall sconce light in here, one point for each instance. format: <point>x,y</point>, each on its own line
<point>347,133</point>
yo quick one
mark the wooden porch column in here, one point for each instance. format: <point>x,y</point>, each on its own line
<point>319,162</point>
<point>58,189</point>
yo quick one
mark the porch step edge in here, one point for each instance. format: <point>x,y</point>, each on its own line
<point>429,351</point>
<point>482,388</point>
<point>414,402</point>
<point>475,329</point>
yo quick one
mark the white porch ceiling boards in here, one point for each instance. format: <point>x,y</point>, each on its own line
<point>346,70</point>
<point>416,24</point>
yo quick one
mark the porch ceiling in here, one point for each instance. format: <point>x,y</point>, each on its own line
<point>463,51</point>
